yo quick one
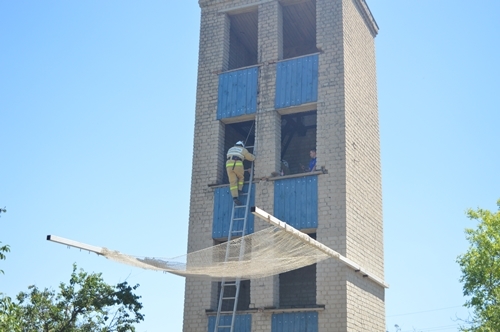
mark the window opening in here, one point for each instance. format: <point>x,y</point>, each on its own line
<point>243,296</point>
<point>243,40</point>
<point>298,287</point>
<point>241,131</point>
<point>298,138</point>
<point>299,29</point>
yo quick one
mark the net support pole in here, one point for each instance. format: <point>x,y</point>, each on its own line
<point>306,238</point>
<point>75,244</point>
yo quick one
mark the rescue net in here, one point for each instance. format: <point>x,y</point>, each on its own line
<point>264,253</point>
<point>274,250</point>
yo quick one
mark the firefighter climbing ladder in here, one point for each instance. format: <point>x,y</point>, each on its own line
<point>226,286</point>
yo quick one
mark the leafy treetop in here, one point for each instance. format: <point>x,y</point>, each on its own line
<point>480,267</point>
<point>86,304</point>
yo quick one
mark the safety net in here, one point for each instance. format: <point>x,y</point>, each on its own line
<point>274,250</point>
<point>267,252</point>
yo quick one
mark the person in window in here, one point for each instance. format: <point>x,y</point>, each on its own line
<point>312,162</point>
<point>235,170</point>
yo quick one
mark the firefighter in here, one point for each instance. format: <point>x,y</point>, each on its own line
<point>234,167</point>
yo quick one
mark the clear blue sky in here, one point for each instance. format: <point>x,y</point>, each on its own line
<point>97,106</point>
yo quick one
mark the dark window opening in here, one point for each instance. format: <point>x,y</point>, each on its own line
<point>298,138</point>
<point>243,40</point>
<point>241,131</point>
<point>298,287</point>
<point>230,291</point>
<point>299,29</point>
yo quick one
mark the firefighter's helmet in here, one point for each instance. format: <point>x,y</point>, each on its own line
<point>240,143</point>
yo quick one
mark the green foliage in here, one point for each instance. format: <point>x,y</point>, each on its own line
<point>480,267</point>
<point>10,314</point>
<point>3,250</point>
<point>86,304</point>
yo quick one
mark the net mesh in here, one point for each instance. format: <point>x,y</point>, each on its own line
<point>261,254</point>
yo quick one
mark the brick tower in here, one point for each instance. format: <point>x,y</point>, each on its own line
<point>289,76</point>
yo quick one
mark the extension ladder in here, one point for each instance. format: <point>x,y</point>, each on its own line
<point>227,285</point>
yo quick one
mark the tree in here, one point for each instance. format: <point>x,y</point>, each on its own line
<point>3,250</point>
<point>480,267</point>
<point>9,315</point>
<point>86,304</point>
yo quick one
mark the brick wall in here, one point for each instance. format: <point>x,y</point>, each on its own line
<point>208,139</point>
<point>364,233</point>
<point>265,291</point>
<point>350,207</point>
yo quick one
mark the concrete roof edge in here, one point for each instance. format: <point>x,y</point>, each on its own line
<point>367,16</point>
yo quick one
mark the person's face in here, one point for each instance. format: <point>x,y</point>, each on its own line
<point>312,154</point>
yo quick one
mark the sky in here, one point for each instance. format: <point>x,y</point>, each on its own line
<point>97,102</point>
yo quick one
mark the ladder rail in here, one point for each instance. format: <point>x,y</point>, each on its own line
<point>237,282</point>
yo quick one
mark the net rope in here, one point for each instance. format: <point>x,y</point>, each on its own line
<point>265,253</point>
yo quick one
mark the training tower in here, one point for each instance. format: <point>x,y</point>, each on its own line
<point>286,76</point>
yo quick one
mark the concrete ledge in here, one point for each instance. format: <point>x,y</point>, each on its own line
<point>317,308</point>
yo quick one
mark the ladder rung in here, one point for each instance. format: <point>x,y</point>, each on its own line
<point>240,206</point>
<point>243,194</point>
<point>224,326</point>
<point>229,283</point>
<point>238,218</point>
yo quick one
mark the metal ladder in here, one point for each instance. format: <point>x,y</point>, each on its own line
<point>236,283</point>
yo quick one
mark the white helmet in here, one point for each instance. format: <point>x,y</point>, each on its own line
<point>240,143</point>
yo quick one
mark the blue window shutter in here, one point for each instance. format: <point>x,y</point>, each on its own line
<point>237,93</point>
<point>223,204</point>
<point>242,323</point>
<point>295,322</point>
<point>296,81</point>
<point>296,201</point>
